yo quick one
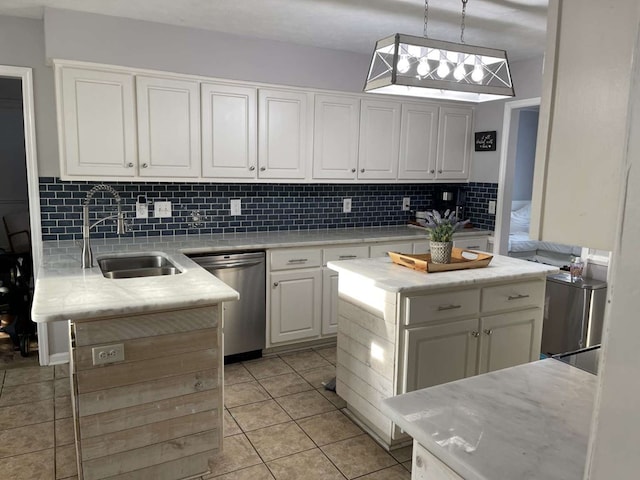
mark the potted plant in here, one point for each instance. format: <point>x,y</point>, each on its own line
<point>441,229</point>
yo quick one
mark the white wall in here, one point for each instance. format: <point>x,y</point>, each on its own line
<point>22,45</point>
<point>525,155</point>
<point>527,81</point>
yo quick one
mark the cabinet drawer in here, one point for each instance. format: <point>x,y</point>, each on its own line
<point>441,306</point>
<point>382,249</point>
<point>514,295</point>
<point>344,253</point>
<point>290,259</point>
<point>475,243</point>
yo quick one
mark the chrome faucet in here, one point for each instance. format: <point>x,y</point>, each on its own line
<point>87,254</point>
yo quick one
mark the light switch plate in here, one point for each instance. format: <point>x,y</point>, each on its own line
<point>406,202</point>
<point>492,207</point>
<point>161,209</point>
<point>142,210</point>
<point>236,207</point>
<point>108,354</point>
<point>346,205</point>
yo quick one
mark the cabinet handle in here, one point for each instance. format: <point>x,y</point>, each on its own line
<point>448,307</point>
<point>475,334</point>
<point>275,284</point>
<point>353,170</point>
<point>362,170</point>
<point>517,297</point>
<point>130,165</point>
<point>252,168</point>
<point>144,165</point>
<point>346,257</point>
<point>473,246</point>
<point>488,331</point>
<point>298,260</point>
<point>262,169</point>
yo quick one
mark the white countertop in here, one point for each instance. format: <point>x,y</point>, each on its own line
<point>528,422</point>
<point>65,291</point>
<point>395,278</point>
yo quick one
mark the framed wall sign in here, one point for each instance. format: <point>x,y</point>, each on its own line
<point>485,141</point>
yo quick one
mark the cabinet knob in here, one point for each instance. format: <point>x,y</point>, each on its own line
<point>432,172</point>
<point>419,462</point>
<point>198,385</point>
<point>488,331</point>
<point>275,284</point>
<point>439,171</point>
<point>144,165</point>
<point>353,170</point>
<point>362,170</point>
<point>262,169</point>
<point>475,334</point>
<point>252,168</point>
<point>130,165</point>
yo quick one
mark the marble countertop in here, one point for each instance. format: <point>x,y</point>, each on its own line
<point>64,291</point>
<point>395,278</point>
<point>526,422</point>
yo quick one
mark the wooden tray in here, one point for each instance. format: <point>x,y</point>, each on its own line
<point>423,262</point>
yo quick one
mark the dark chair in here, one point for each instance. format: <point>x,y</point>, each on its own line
<point>18,232</point>
<point>15,300</point>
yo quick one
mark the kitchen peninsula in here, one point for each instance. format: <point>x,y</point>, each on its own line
<point>402,330</point>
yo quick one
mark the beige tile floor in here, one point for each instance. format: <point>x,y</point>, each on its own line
<point>280,423</point>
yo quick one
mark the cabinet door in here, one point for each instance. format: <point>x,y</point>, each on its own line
<point>421,247</point>
<point>229,131</point>
<point>418,142</point>
<point>509,339</point>
<point>381,250</point>
<point>168,127</point>
<point>471,243</point>
<point>379,140</point>
<point>283,134</point>
<point>329,302</point>
<point>454,143</point>
<point>295,305</point>
<point>335,137</point>
<point>97,122</point>
<point>439,353</point>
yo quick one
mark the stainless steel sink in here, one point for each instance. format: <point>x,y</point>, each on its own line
<point>145,265</point>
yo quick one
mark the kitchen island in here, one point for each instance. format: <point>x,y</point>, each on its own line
<point>402,330</point>
<point>526,422</point>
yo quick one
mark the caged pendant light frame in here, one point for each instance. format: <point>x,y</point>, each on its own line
<point>421,67</point>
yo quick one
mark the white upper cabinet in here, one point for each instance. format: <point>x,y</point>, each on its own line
<point>96,122</point>
<point>168,127</point>
<point>283,134</point>
<point>335,137</point>
<point>454,143</point>
<point>229,131</point>
<point>379,140</point>
<point>418,142</point>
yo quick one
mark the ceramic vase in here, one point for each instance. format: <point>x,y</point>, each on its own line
<point>441,252</point>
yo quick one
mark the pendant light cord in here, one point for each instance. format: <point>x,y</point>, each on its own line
<point>426,17</point>
<point>462,25</point>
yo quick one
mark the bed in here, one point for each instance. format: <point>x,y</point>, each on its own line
<point>521,246</point>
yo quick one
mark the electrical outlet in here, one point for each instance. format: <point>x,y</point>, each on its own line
<point>346,205</point>
<point>142,210</point>
<point>406,202</point>
<point>108,354</point>
<point>236,207</point>
<point>161,209</point>
<point>492,207</point>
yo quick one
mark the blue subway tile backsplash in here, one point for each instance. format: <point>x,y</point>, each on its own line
<point>265,207</point>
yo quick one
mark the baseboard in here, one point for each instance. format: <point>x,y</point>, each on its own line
<point>58,358</point>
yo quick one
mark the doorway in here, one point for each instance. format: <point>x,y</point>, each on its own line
<point>517,159</point>
<point>21,100</point>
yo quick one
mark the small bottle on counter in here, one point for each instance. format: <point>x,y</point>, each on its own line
<point>575,269</point>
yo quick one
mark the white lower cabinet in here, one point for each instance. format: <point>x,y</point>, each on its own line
<point>426,466</point>
<point>296,303</point>
<point>329,302</point>
<point>471,243</point>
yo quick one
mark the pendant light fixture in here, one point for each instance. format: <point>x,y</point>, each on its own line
<point>421,67</point>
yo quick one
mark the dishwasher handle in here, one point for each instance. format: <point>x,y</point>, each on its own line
<point>231,264</point>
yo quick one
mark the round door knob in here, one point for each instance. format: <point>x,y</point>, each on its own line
<point>262,169</point>
<point>130,165</point>
<point>362,170</point>
<point>144,165</point>
<point>275,284</point>
<point>252,168</point>
<point>353,170</point>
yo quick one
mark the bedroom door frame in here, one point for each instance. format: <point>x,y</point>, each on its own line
<point>507,168</point>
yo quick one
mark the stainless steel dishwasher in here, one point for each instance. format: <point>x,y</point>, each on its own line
<point>245,319</point>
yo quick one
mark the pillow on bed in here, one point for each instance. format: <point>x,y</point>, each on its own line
<point>520,220</point>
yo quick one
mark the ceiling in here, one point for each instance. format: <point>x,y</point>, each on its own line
<point>515,25</point>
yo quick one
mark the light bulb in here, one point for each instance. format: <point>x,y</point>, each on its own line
<point>423,67</point>
<point>478,74</point>
<point>403,64</point>
<point>459,72</point>
<point>443,69</point>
